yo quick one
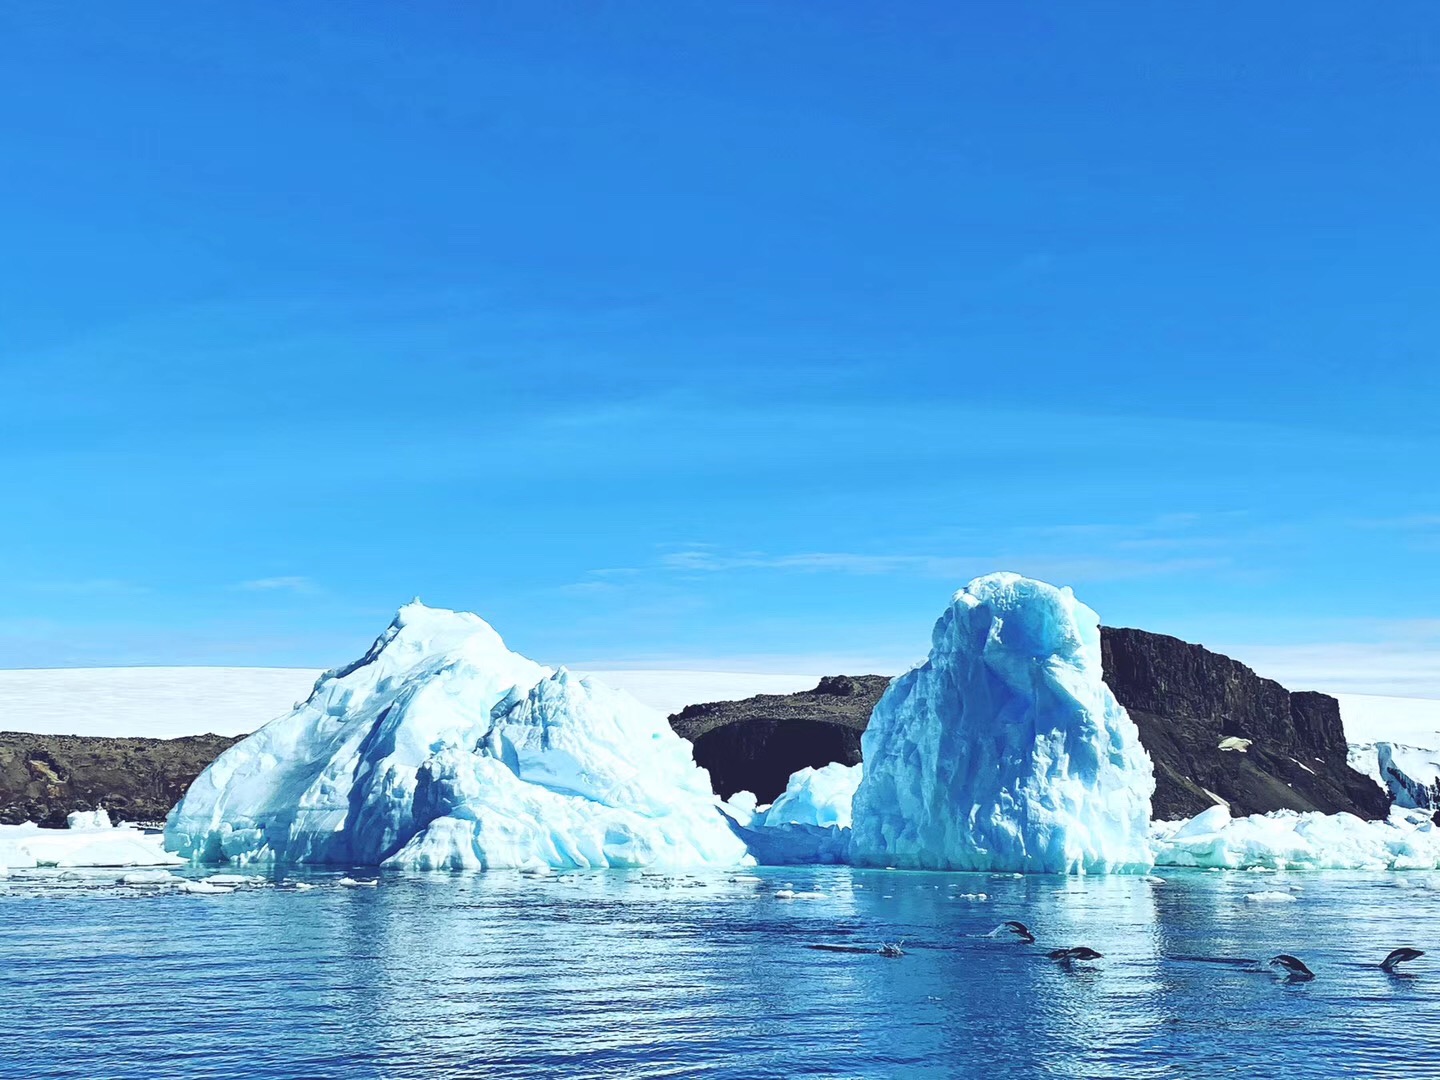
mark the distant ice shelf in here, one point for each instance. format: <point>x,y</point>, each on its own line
<point>1396,742</point>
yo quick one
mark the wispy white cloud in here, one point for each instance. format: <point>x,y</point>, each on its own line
<point>956,568</point>
<point>1404,523</point>
<point>287,583</point>
<point>1396,669</point>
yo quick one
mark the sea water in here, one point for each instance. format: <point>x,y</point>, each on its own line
<point>629,974</point>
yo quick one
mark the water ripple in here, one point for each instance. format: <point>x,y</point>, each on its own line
<point>629,975</point>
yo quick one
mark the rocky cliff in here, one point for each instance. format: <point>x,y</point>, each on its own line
<point>1213,726</point>
<point>1214,729</point>
<point>44,777</point>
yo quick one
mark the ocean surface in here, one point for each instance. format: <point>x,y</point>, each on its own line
<point>614,974</point>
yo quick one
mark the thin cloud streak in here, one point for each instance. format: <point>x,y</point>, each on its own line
<point>288,583</point>
<point>702,560</point>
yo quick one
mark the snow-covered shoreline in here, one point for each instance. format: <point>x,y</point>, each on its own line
<point>1284,840</point>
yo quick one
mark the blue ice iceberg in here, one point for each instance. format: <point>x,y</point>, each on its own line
<point>1005,750</point>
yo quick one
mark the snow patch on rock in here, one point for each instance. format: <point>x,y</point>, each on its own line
<point>1410,774</point>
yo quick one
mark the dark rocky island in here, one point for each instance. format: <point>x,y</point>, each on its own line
<point>755,744</point>
<point>45,777</point>
<point>1283,750</point>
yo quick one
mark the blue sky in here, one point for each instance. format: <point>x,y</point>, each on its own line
<point>717,335</point>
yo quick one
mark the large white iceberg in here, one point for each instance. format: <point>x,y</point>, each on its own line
<point>1005,750</point>
<point>441,747</point>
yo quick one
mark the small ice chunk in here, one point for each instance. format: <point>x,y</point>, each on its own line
<point>149,877</point>
<point>231,880</point>
<point>204,888</point>
<point>88,819</point>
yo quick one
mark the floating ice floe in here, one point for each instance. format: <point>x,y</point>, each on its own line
<point>205,888</point>
<point>233,881</point>
<point>1005,750</point>
<point>1287,840</point>
<point>442,749</point>
<point>150,877</point>
<point>808,824</point>
<point>28,846</point>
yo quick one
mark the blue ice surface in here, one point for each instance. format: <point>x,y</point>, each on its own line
<point>629,974</point>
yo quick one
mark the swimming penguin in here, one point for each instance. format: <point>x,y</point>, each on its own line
<point>1079,952</point>
<point>1294,965</point>
<point>1019,929</point>
<point>1400,956</point>
<point>892,951</point>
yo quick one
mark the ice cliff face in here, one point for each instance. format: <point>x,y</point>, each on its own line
<point>569,774</point>
<point>438,742</point>
<point>1005,750</point>
<point>1411,774</point>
